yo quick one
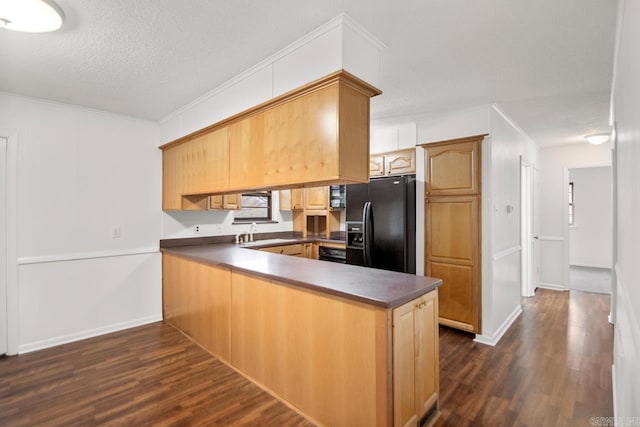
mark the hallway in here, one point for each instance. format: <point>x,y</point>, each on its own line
<point>551,368</point>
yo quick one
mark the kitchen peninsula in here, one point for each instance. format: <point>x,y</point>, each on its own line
<point>344,345</point>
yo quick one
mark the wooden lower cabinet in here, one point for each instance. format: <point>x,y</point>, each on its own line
<point>337,361</point>
<point>415,361</point>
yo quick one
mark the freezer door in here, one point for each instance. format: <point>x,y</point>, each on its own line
<point>356,196</point>
<point>388,221</point>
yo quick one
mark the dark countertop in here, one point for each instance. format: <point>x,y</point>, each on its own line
<point>381,288</point>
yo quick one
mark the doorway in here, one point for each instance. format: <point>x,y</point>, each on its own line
<point>3,247</point>
<point>590,229</point>
<point>526,229</point>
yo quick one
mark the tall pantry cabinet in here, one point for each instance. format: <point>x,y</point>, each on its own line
<point>453,229</point>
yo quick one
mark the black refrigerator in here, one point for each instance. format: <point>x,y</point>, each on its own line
<point>381,223</point>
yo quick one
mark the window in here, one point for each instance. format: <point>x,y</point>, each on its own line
<point>254,207</point>
<point>571,205</point>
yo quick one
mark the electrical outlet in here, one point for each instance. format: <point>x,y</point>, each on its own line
<point>115,232</point>
<point>196,229</point>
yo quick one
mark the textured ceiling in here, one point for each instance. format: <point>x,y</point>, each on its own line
<point>548,63</point>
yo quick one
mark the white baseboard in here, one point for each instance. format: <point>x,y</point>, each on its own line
<point>90,333</point>
<point>493,339</point>
<point>552,287</point>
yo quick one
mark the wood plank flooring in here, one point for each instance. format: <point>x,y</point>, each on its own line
<point>150,375</point>
<point>552,368</point>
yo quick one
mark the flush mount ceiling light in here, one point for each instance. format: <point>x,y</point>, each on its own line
<point>598,138</point>
<point>31,16</point>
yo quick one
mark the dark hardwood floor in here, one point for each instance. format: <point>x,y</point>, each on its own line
<point>150,375</point>
<point>552,368</point>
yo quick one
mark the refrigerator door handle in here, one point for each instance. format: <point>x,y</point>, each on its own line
<point>366,234</point>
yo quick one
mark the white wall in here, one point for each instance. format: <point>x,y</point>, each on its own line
<point>590,237</point>
<point>626,115</point>
<point>501,154</point>
<point>391,137</point>
<point>555,163</point>
<point>82,173</point>
<point>179,224</point>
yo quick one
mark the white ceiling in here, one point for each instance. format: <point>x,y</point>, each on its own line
<point>547,63</point>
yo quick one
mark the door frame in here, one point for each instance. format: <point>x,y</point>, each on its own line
<point>527,286</point>
<point>12,240</point>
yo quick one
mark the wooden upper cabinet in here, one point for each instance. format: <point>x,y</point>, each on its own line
<point>229,202</point>
<point>400,162</point>
<point>315,135</point>
<point>246,152</point>
<point>232,202</point>
<point>172,178</point>
<point>205,163</point>
<point>297,199</point>
<point>292,200</point>
<point>453,168</point>
<point>376,165</point>
<point>316,198</point>
<point>300,139</point>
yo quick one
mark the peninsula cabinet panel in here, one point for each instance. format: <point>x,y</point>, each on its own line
<point>309,349</point>
<point>453,168</point>
<point>196,299</point>
<point>246,154</point>
<point>205,163</point>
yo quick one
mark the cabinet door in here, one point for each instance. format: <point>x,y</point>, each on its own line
<point>415,360</point>
<point>172,178</point>
<point>297,199</point>
<point>427,352</point>
<point>453,168</point>
<point>216,201</point>
<point>400,162</point>
<point>284,200</point>
<point>376,165</point>
<point>300,139</point>
<point>316,198</point>
<point>452,253</point>
<point>404,365</point>
<point>246,152</point>
<point>232,202</point>
<point>205,163</point>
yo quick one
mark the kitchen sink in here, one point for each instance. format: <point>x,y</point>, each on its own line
<point>266,242</point>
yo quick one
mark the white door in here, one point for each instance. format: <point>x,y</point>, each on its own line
<point>3,245</point>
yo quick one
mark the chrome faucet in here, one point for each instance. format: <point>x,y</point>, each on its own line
<point>252,228</point>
